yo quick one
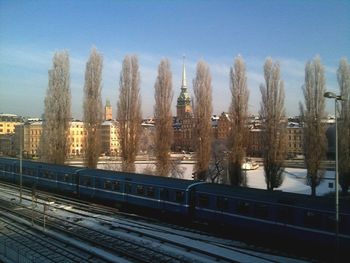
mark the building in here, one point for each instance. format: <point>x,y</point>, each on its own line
<point>108,111</point>
<point>8,123</point>
<point>184,122</point>
<point>27,136</point>
<point>294,139</point>
<point>109,138</point>
<point>76,138</point>
<point>224,126</point>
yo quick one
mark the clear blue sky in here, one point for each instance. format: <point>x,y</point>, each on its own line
<point>291,32</point>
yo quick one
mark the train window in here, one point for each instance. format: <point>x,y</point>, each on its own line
<point>243,207</point>
<point>330,222</point>
<point>45,174</point>
<point>128,188</point>
<point>107,184</point>
<point>164,194</point>
<point>66,178</point>
<point>222,203</point>
<point>140,190</point>
<point>28,171</point>
<point>116,186</point>
<point>312,219</point>
<point>261,210</point>
<point>86,181</point>
<point>150,191</point>
<point>285,214</point>
<point>203,200</point>
<point>179,196</point>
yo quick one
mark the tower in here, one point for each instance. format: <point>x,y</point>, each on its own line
<point>184,100</point>
<point>108,111</point>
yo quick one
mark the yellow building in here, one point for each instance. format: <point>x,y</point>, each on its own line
<point>28,136</point>
<point>76,138</point>
<point>8,123</point>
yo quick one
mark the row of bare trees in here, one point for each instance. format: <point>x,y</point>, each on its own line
<point>57,115</point>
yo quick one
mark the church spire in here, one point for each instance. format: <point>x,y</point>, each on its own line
<point>184,100</point>
<point>184,82</point>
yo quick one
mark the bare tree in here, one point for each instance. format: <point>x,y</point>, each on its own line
<point>272,113</point>
<point>163,96</point>
<point>93,111</point>
<point>54,144</point>
<point>313,128</point>
<point>202,117</point>
<point>343,75</point>
<point>129,112</point>
<point>239,116</point>
<point>218,165</point>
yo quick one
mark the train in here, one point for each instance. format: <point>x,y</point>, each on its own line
<point>295,220</point>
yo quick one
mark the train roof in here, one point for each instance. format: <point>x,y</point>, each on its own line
<point>36,164</point>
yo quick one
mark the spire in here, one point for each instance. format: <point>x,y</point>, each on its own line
<point>184,82</point>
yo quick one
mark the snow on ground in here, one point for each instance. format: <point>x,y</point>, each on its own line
<point>294,181</point>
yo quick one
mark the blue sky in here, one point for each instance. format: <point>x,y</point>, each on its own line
<point>291,32</point>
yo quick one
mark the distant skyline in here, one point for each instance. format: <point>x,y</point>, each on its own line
<point>291,32</point>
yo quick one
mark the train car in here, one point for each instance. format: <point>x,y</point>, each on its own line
<point>56,178</point>
<point>277,215</point>
<point>169,195</point>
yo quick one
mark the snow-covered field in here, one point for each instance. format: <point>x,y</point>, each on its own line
<point>294,178</point>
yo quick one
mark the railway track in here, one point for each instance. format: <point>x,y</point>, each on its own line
<point>22,243</point>
<point>137,239</point>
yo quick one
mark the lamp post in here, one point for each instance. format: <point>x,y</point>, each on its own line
<point>20,162</point>
<point>331,95</point>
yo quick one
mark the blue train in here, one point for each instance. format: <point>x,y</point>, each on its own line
<point>272,216</point>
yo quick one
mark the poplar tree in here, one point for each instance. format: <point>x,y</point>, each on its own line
<point>272,113</point>
<point>93,112</point>
<point>163,96</point>
<point>239,115</point>
<point>343,75</point>
<point>129,112</point>
<point>202,117</point>
<point>312,115</point>
<point>54,144</point>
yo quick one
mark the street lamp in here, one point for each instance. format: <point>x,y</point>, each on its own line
<point>331,95</point>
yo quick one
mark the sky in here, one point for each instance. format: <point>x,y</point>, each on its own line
<point>291,32</point>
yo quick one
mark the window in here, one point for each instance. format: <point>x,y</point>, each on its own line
<point>164,194</point>
<point>222,203</point>
<point>203,200</point>
<point>128,188</point>
<point>107,184</point>
<point>179,196</point>
<point>150,191</point>
<point>116,186</point>
<point>140,190</point>
<point>243,207</point>
<point>66,178</point>
<point>285,214</point>
<point>261,210</point>
<point>312,219</point>
<point>86,181</point>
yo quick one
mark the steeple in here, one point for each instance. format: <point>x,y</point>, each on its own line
<point>108,110</point>
<point>184,99</point>
<point>184,82</point>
